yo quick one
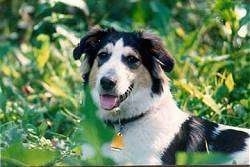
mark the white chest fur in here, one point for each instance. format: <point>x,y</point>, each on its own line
<point>146,138</point>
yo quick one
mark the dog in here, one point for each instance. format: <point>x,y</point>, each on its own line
<point>126,74</point>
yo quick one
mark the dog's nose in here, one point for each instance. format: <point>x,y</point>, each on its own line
<point>107,83</point>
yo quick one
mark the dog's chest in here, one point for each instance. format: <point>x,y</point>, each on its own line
<point>145,141</point>
<point>139,148</point>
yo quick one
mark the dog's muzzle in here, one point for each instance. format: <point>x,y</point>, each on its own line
<point>109,102</point>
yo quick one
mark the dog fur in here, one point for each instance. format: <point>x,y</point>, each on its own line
<point>138,61</point>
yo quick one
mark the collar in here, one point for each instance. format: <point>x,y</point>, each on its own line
<point>124,121</point>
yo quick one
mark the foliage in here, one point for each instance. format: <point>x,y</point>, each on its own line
<point>16,154</point>
<point>201,158</point>
<point>41,91</point>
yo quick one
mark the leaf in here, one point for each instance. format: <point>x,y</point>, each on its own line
<point>68,34</point>
<point>246,18</point>
<point>58,88</point>
<point>209,101</point>
<point>16,154</point>
<point>5,47</point>
<point>71,160</point>
<point>201,158</point>
<point>6,70</point>
<point>3,100</point>
<point>96,134</point>
<point>44,52</point>
<point>76,3</point>
<point>21,57</point>
<point>139,14</point>
<point>11,133</point>
<point>54,89</point>
<point>9,71</point>
<point>230,82</point>
<point>42,128</point>
<point>180,32</point>
<point>221,92</point>
<point>189,87</point>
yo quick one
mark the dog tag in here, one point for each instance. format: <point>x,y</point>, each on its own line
<point>117,142</point>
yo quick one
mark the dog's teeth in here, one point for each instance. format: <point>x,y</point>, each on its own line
<point>126,94</point>
<point>122,97</point>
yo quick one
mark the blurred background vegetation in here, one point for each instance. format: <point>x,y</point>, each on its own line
<point>44,119</point>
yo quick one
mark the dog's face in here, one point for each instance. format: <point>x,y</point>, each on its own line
<point>122,67</point>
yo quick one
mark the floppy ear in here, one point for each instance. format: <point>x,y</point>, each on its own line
<point>89,43</point>
<point>156,49</point>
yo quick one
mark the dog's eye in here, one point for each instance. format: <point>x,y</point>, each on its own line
<point>102,57</point>
<point>132,61</point>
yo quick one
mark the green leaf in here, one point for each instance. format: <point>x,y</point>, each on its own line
<point>221,92</point>
<point>3,98</point>
<point>230,82</point>
<point>96,134</point>
<point>5,47</point>
<point>11,133</point>
<point>245,20</point>
<point>44,52</point>
<point>200,158</point>
<point>209,101</point>
<point>16,154</point>
<point>76,3</point>
<point>54,89</point>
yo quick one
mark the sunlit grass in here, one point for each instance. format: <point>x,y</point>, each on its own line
<point>44,107</point>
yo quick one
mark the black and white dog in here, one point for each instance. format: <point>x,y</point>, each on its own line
<point>125,71</point>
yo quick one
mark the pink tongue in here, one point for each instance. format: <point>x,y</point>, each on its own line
<point>108,102</point>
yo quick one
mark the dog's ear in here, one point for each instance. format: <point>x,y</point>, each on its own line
<point>155,47</point>
<point>89,43</point>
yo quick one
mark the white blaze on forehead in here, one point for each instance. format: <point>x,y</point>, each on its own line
<point>118,49</point>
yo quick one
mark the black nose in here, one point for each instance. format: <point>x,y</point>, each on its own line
<point>107,83</point>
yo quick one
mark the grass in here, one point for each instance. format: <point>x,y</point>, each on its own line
<point>45,110</point>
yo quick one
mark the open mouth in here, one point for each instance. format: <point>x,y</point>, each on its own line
<point>109,102</point>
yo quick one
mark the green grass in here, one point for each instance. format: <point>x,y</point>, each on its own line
<point>46,113</point>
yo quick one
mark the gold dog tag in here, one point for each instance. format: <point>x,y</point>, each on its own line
<point>117,142</point>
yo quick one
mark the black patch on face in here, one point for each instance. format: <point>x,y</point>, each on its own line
<point>142,46</point>
<point>131,61</point>
<point>102,58</point>
<point>153,55</point>
<point>195,132</point>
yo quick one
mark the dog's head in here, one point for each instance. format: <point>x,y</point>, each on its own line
<point>123,67</point>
